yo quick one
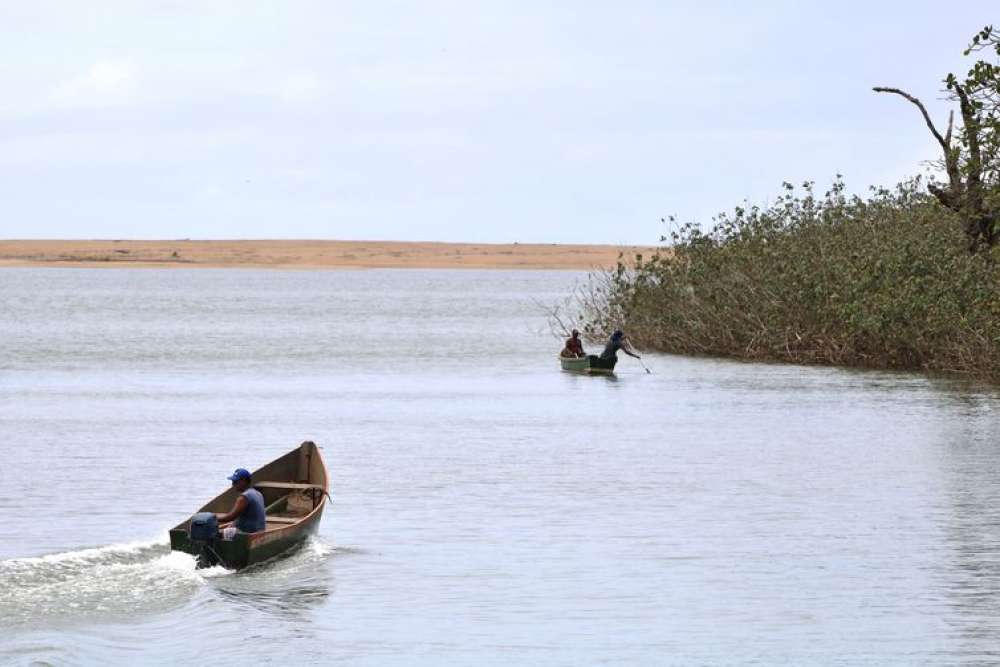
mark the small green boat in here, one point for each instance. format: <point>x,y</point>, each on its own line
<point>591,364</point>
<point>295,489</point>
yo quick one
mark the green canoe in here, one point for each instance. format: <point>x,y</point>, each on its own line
<point>295,489</point>
<point>591,364</point>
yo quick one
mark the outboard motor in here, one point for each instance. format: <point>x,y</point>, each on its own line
<point>203,533</point>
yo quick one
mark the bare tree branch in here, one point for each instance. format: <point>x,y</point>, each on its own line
<point>945,145</point>
<point>971,162</point>
<point>951,197</point>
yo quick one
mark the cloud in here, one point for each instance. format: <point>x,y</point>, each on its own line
<point>103,84</point>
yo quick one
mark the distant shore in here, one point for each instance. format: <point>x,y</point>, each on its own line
<point>310,254</point>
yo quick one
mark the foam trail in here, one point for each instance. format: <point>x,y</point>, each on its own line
<point>118,579</point>
<point>121,580</point>
<point>125,550</point>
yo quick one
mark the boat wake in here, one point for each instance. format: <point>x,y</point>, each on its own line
<point>283,586</point>
<point>122,580</point>
<point>116,580</point>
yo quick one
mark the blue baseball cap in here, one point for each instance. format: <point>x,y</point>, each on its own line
<point>238,474</point>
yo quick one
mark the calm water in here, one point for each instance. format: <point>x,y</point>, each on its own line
<point>489,509</point>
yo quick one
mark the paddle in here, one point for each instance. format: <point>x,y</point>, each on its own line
<point>631,352</point>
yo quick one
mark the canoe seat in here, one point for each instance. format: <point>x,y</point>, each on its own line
<point>281,519</point>
<point>276,505</point>
<point>286,485</point>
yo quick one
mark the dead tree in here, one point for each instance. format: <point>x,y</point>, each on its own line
<point>965,191</point>
<point>971,162</point>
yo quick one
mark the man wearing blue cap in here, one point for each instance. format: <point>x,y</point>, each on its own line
<point>247,515</point>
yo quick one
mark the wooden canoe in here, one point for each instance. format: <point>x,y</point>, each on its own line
<point>591,364</point>
<point>295,489</point>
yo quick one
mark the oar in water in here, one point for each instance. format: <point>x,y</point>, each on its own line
<point>639,359</point>
<point>632,353</point>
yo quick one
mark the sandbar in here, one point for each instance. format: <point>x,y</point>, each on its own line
<point>311,254</point>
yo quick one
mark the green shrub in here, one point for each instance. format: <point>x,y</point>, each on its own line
<point>881,282</point>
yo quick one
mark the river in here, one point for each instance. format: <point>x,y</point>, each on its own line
<point>488,508</point>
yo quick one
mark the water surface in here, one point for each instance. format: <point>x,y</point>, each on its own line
<point>489,509</point>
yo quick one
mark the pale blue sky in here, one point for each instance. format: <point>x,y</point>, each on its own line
<point>456,121</point>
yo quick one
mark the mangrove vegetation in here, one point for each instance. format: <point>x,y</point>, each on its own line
<point>904,277</point>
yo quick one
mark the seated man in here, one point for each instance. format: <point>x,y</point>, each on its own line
<point>574,346</point>
<point>247,515</point>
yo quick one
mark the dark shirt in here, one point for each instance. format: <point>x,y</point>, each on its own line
<point>253,519</point>
<point>612,348</point>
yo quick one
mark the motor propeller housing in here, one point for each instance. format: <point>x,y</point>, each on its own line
<point>204,532</point>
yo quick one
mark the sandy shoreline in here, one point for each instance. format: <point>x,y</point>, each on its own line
<point>309,254</point>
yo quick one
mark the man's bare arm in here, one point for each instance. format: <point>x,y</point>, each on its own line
<point>238,507</point>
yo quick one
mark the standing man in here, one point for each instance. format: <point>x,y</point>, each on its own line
<point>618,341</point>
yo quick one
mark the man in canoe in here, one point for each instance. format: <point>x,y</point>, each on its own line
<point>247,515</point>
<point>618,341</point>
<point>574,346</point>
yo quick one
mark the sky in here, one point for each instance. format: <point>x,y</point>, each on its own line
<point>467,120</point>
